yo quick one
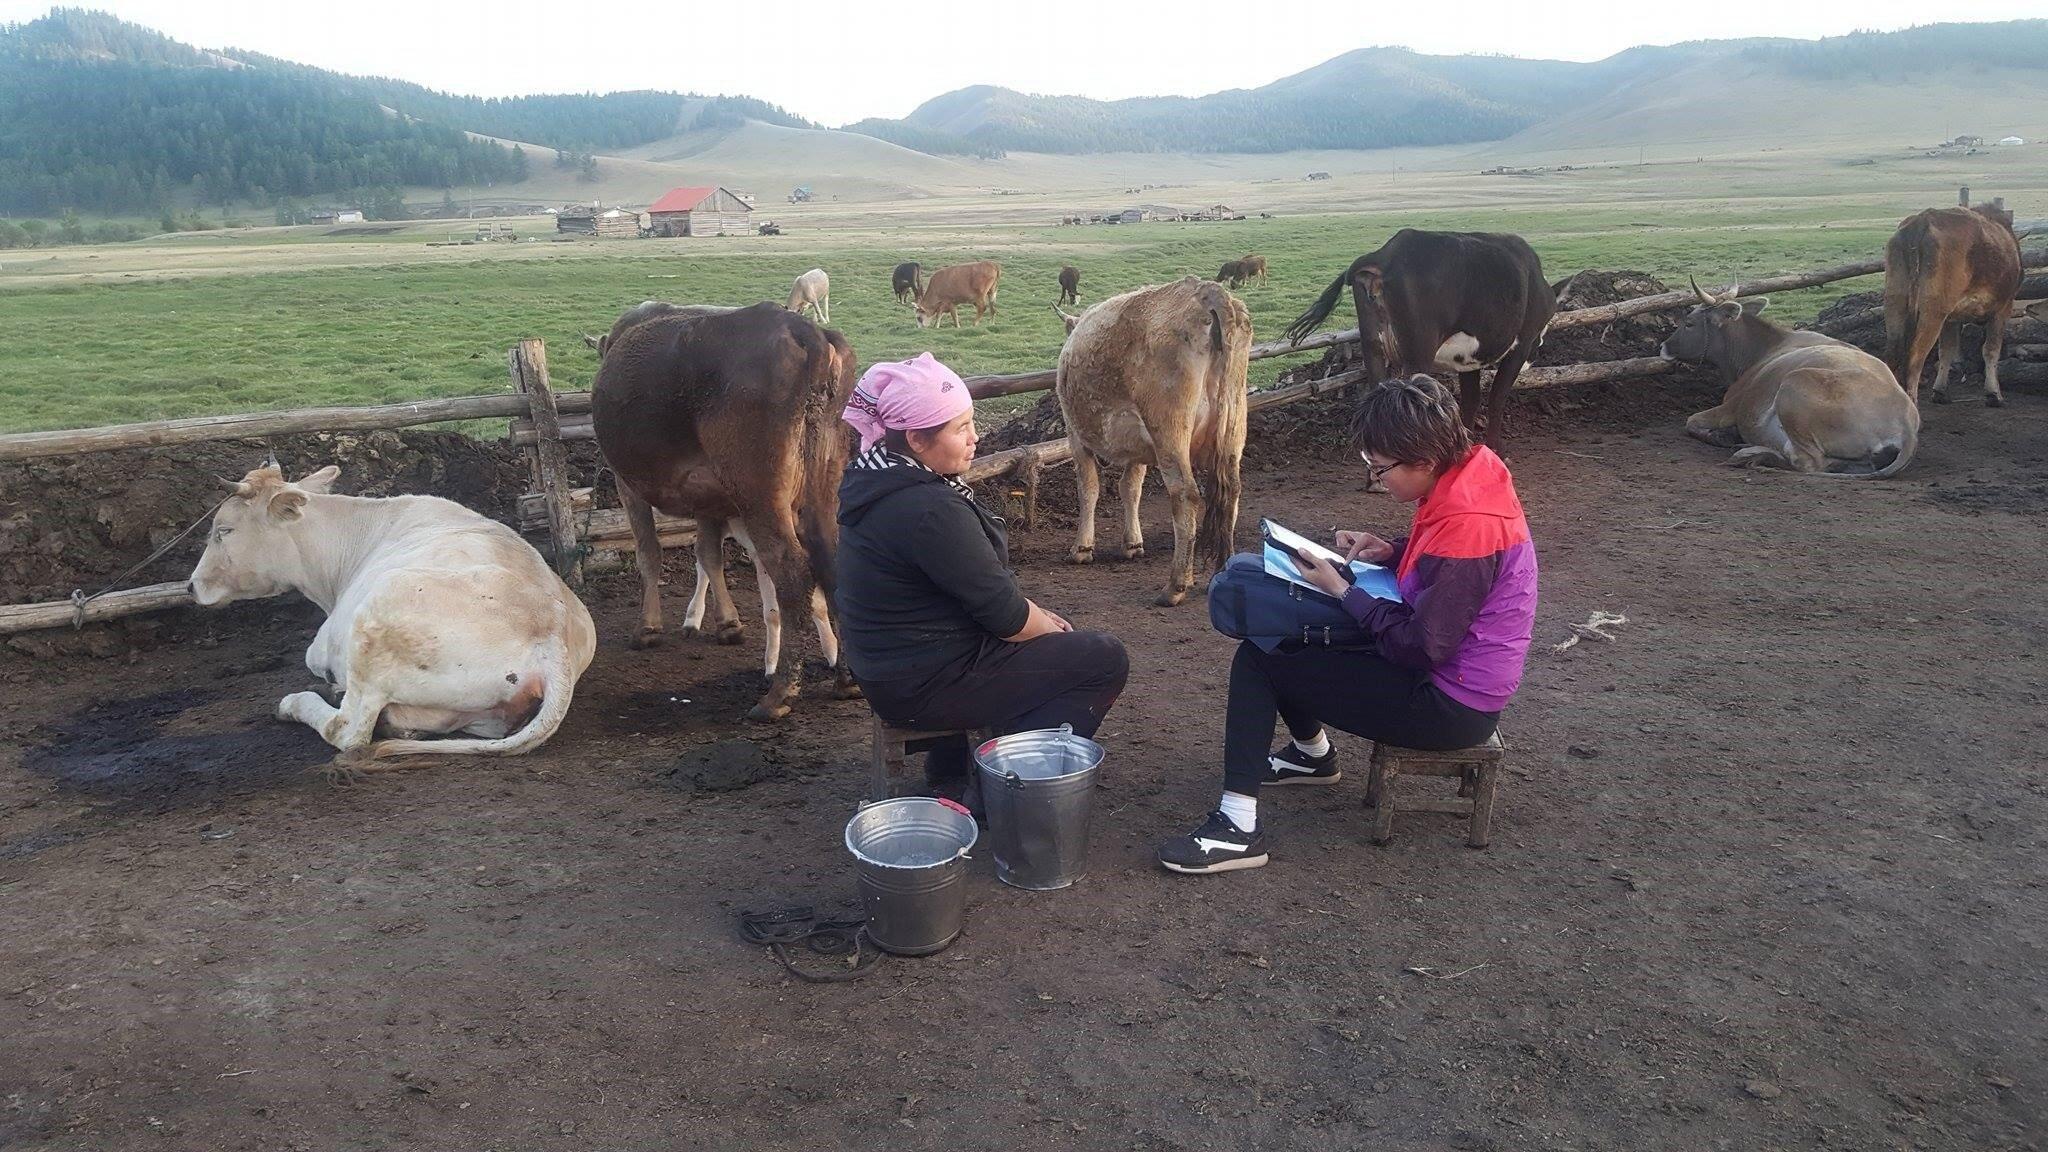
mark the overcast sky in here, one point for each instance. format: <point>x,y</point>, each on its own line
<point>836,61</point>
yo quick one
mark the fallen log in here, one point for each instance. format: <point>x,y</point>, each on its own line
<point>63,614</point>
<point>157,433</point>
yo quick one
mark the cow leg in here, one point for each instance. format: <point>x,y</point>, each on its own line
<point>349,727</point>
<point>785,594</point>
<point>1945,358</point>
<point>1088,485</point>
<point>1715,426</point>
<point>647,558</point>
<point>1924,336</point>
<point>725,616</point>
<point>1504,374</point>
<point>1468,398</point>
<point>1186,498</point>
<point>1994,346</point>
<point>1133,493</point>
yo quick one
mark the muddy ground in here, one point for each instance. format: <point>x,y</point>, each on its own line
<point>1765,871</point>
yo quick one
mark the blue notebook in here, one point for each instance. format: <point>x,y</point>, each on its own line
<point>1279,542</point>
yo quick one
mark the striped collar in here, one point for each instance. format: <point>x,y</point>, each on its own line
<point>880,457</point>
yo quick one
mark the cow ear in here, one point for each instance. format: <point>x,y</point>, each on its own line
<point>321,481</point>
<point>1752,307</point>
<point>1726,311</point>
<point>288,504</point>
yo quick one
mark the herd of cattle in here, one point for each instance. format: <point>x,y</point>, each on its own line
<point>442,621</point>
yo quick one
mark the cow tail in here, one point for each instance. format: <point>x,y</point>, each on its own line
<point>558,684</point>
<point>1318,311</point>
<point>1905,278</point>
<point>1907,444</point>
<point>1218,469</point>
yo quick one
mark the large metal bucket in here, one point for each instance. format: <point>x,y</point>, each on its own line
<point>1038,789</point>
<point>910,857</point>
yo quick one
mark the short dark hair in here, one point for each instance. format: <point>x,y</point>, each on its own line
<point>897,440</point>
<point>1412,421</point>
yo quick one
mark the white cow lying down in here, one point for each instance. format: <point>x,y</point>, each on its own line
<point>438,619</point>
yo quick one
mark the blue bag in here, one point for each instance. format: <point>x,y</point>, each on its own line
<point>1246,603</point>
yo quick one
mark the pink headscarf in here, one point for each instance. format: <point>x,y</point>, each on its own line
<point>905,394</point>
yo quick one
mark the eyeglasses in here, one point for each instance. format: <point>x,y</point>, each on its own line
<point>1376,471</point>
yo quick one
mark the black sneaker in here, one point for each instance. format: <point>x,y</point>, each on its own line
<point>1290,765</point>
<point>1217,846</point>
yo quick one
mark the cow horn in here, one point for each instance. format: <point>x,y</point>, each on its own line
<point>1697,291</point>
<point>238,487</point>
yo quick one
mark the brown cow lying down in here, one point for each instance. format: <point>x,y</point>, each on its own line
<point>1156,378</point>
<point>438,620</point>
<point>1799,400</point>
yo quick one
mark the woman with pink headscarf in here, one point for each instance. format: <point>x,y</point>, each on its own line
<point>931,620</point>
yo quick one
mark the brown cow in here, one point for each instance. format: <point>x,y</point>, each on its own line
<point>732,416</point>
<point>1070,285</point>
<point>948,288</point>
<point>1232,273</point>
<point>1946,267</point>
<point>1156,378</point>
<point>1254,268</point>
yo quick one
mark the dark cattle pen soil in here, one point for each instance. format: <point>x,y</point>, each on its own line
<point>1765,871</point>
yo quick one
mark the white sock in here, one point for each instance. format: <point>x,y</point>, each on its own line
<point>1318,747</point>
<point>1243,810</point>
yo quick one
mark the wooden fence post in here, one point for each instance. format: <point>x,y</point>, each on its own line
<point>548,459</point>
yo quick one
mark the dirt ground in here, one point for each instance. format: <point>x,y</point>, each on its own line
<point>1764,873</point>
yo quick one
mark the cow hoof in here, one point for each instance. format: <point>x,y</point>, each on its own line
<point>1941,397</point>
<point>846,690</point>
<point>731,634</point>
<point>1993,400</point>
<point>1171,599</point>
<point>328,692</point>
<point>1134,552</point>
<point>768,713</point>
<point>1083,556</point>
<point>651,638</point>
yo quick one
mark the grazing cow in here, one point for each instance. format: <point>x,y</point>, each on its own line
<point>950,287</point>
<point>1156,378</point>
<point>812,292</point>
<point>1446,302</point>
<point>1944,268</point>
<point>1254,268</point>
<point>907,281</point>
<point>1232,273</point>
<point>1798,399</point>
<point>438,619</point>
<point>732,416</point>
<point>1070,285</point>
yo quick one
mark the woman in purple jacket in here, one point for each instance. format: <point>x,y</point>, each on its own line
<point>1446,657</point>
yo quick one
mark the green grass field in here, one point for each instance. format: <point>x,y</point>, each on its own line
<point>84,352</point>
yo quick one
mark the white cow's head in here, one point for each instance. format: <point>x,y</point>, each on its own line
<point>249,554</point>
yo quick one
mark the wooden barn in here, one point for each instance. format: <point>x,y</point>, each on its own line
<point>708,211</point>
<point>591,220</point>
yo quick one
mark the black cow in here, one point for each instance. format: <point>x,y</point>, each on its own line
<point>1446,302</point>
<point>1070,284</point>
<point>908,282</point>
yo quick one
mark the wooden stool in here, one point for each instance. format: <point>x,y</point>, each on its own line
<point>1477,769</point>
<point>892,744</point>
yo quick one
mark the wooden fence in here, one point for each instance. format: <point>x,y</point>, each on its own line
<point>543,421</point>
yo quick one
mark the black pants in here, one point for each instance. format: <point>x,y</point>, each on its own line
<point>1064,678</point>
<point>1356,691</point>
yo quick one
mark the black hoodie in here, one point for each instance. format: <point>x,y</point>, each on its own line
<point>923,574</point>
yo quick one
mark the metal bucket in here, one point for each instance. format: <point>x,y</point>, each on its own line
<point>1038,789</point>
<point>910,856</point>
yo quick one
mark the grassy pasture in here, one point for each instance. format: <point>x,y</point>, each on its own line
<point>88,349</point>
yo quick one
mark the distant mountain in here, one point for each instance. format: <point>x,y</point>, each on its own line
<point>98,114</point>
<point>1389,97</point>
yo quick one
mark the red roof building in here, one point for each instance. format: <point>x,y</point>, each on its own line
<point>708,211</point>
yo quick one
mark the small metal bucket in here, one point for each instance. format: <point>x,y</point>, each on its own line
<point>1038,789</point>
<point>910,856</point>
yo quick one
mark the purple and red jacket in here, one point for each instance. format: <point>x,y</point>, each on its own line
<point>1467,575</point>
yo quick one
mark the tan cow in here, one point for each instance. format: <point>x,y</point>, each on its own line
<point>1155,378</point>
<point>1797,399</point>
<point>950,287</point>
<point>1254,268</point>
<point>438,619</point>
<point>1944,268</point>
<point>812,292</point>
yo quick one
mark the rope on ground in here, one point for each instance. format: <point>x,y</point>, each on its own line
<point>845,941</point>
